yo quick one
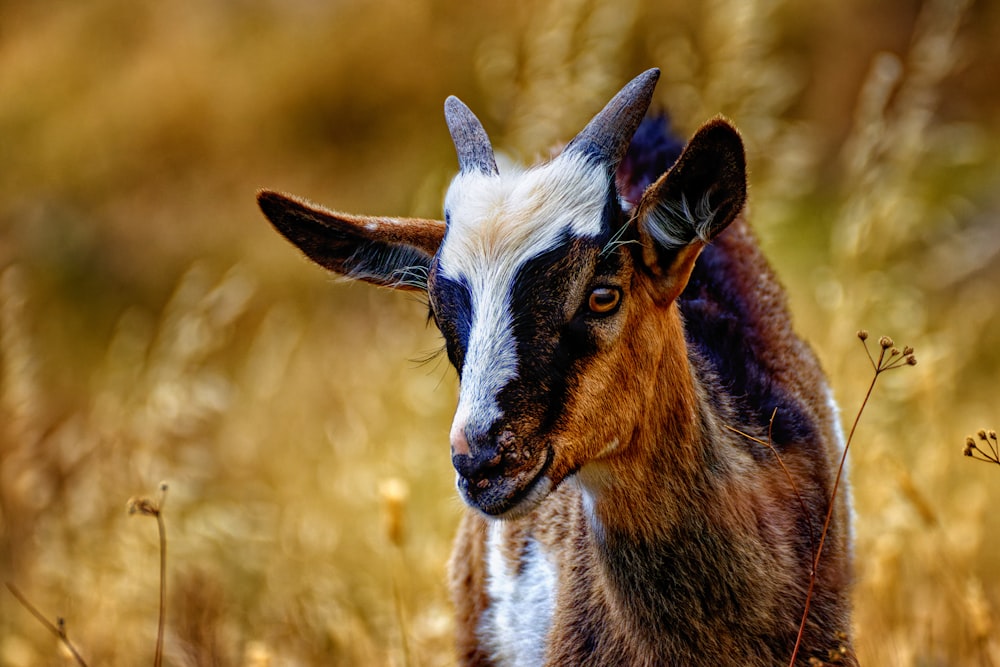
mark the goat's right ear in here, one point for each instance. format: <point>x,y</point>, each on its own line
<point>390,252</point>
<point>691,204</point>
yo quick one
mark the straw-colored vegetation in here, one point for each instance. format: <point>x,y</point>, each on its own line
<point>153,328</point>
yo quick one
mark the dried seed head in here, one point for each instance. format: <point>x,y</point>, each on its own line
<point>893,352</point>
<point>970,445</point>
<point>911,360</point>
<point>992,435</point>
<point>863,334</point>
<point>907,350</point>
<point>885,342</point>
<point>981,433</point>
<point>394,492</point>
<point>142,506</point>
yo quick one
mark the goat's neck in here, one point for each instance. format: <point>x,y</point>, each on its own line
<point>666,511</point>
<point>659,470</point>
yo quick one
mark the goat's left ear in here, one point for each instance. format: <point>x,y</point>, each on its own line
<point>690,205</point>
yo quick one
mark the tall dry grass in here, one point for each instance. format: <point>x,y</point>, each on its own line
<point>153,328</point>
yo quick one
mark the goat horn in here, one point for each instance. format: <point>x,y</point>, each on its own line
<point>607,136</point>
<point>471,143</point>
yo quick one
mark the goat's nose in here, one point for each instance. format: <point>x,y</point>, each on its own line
<point>473,452</point>
<point>479,463</point>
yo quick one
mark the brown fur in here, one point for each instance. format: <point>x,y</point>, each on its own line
<point>467,580</point>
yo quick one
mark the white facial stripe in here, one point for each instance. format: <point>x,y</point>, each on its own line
<point>491,357</point>
<point>496,224</point>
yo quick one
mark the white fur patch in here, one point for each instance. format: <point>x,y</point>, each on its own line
<point>522,596</point>
<point>838,427</point>
<point>673,224</point>
<point>589,508</point>
<point>838,432</point>
<point>496,224</point>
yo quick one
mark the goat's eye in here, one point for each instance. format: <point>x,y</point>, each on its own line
<point>604,300</point>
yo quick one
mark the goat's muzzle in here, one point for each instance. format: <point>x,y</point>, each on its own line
<point>497,476</point>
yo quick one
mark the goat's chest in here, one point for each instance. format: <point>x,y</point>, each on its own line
<point>521,585</point>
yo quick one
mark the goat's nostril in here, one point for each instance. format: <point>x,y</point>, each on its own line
<point>459,443</point>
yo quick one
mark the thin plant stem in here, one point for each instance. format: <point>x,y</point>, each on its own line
<point>826,523</point>
<point>996,454</point>
<point>401,619</point>
<point>155,509</point>
<point>791,480</point>
<point>58,629</point>
<point>890,364</point>
<point>158,658</point>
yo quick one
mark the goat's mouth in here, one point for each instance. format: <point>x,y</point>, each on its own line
<point>508,495</point>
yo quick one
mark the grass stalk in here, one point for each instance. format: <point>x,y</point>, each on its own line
<point>58,628</point>
<point>161,624</point>
<point>155,510</point>
<point>401,619</point>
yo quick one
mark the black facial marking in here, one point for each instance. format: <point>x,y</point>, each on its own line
<point>553,328</point>
<point>451,308</point>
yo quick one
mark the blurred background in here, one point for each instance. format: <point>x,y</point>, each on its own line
<point>153,328</point>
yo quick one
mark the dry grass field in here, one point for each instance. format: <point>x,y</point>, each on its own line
<point>153,328</point>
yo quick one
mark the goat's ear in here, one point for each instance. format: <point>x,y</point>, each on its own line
<point>691,204</point>
<point>391,252</point>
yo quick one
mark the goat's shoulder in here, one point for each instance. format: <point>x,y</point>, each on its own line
<point>741,336</point>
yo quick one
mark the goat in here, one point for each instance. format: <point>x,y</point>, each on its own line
<point>612,321</point>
